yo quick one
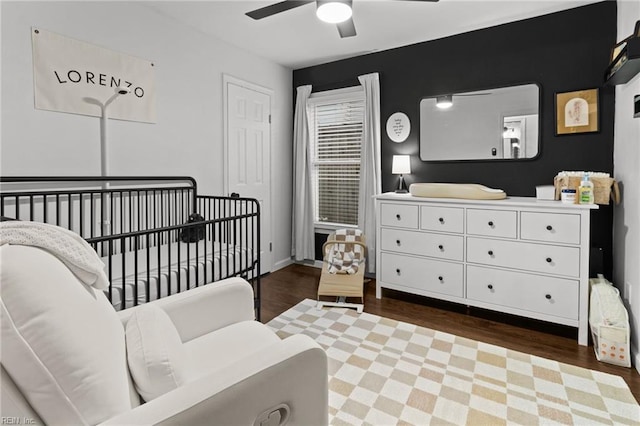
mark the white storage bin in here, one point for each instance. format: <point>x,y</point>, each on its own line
<point>609,323</point>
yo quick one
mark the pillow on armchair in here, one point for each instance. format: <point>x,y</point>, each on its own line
<point>156,356</point>
<point>62,342</point>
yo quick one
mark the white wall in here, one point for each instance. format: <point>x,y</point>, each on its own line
<point>188,136</point>
<point>626,158</point>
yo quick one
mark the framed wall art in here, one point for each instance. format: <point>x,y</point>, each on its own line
<point>577,112</point>
<point>398,127</point>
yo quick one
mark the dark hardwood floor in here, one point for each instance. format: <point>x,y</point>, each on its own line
<point>283,289</point>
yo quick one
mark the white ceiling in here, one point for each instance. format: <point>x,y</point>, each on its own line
<point>297,39</point>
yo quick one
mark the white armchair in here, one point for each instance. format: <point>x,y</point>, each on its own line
<point>64,355</point>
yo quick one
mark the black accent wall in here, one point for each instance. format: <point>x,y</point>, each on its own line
<point>561,52</point>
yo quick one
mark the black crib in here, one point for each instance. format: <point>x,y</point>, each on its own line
<point>156,235</point>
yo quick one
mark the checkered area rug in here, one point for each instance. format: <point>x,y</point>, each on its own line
<point>386,372</point>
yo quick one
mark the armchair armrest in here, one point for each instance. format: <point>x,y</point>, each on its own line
<point>205,309</point>
<point>292,372</point>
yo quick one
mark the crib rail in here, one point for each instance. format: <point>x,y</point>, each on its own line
<point>137,225</point>
<point>99,206</point>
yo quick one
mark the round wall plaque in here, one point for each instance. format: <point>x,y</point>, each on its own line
<point>398,127</point>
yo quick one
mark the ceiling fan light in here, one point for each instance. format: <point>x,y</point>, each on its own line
<point>334,11</point>
<point>444,102</point>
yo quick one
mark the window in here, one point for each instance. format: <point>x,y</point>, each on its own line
<point>336,121</point>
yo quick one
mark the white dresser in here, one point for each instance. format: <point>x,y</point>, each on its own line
<point>519,255</point>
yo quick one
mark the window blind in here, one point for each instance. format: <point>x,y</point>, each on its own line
<point>336,146</point>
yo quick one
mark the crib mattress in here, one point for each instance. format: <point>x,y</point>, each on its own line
<point>171,268</point>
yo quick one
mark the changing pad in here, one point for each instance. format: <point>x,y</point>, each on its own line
<point>471,191</point>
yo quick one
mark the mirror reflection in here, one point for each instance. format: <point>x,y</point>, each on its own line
<point>501,123</point>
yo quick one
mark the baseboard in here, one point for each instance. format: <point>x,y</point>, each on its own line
<point>282,264</point>
<point>635,357</point>
<point>312,263</point>
<point>286,262</point>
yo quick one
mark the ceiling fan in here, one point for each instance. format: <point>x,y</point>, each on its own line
<point>333,11</point>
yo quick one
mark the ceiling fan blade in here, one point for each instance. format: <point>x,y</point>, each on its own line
<point>347,28</point>
<point>433,1</point>
<point>282,6</point>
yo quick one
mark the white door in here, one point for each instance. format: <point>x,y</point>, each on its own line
<point>248,152</point>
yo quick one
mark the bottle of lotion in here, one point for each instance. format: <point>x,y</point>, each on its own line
<point>585,190</point>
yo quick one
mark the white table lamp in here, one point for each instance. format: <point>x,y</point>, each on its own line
<point>401,166</point>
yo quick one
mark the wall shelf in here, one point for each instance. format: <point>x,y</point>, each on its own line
<point>626,65</point>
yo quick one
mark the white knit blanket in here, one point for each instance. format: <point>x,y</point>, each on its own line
<point>69,247</point>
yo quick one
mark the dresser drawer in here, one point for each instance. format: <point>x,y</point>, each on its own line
<point>528,292</point>
<point>422,274</point>
<point>423,243</point>
<point>492,223</point>
<point>544,258</point>
<point>551,227</point>
<point>444,219</point>
<point>399,215</point>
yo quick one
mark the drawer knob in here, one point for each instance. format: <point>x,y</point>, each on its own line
<point>398,216</point>
<point>441,219</point>
<point>549,227</point>
<point>490,252</point>
<point>398,271</point>
<point>441,247</point>
<point>549,260</point>
<point>490,286</point>
<point>548,296</point>
<point>440,278</point>
<point>398,242</point>
<point>490,223</point>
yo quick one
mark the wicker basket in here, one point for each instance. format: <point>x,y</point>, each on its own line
<point>604,189</point>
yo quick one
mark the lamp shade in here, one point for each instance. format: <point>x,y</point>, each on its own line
<point>401,165</point>
<point>334,11</point>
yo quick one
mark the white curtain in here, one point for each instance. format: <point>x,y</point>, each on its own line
<point>302,235</point>
<point>370,181</point>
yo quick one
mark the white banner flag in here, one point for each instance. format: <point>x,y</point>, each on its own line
<point>77,77</point>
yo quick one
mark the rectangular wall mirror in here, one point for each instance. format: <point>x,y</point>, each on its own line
<point>501,123</point>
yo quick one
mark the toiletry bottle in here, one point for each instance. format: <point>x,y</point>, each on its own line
<point>585,190</point>
<point>564,179</point>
